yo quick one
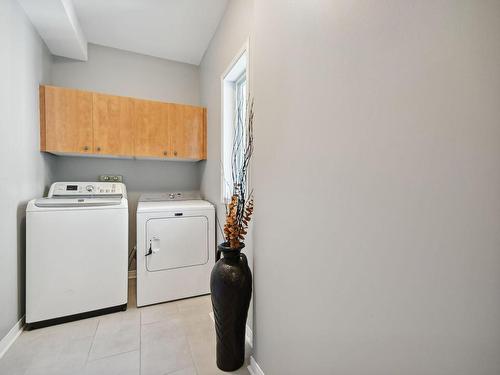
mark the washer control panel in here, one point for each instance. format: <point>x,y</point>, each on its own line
<point>96,189</point>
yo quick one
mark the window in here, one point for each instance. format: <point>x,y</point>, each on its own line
<point>234,111</point>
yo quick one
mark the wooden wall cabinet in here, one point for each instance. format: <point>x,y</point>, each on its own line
<point>66,120</point>
<point>151,129</point>
<point>112,122</point>
<point>187,131</point>
<point>81,122</point>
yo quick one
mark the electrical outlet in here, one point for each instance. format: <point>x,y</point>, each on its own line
<point>110,178</point>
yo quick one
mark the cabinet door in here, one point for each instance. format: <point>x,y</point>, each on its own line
<point>113,125</point>
<point>66,120</point>
<point>187,132</point>
<point>151,129</point>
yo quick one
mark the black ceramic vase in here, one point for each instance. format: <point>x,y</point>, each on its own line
<point>231,288</point>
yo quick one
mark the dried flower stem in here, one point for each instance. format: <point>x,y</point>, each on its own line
<point>239,211</point>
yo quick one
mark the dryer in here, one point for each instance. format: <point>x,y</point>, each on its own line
<point>175,247</point>
<point>76,252</point>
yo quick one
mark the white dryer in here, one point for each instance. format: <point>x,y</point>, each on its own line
<point>76,252</point>
<point>175,247</point>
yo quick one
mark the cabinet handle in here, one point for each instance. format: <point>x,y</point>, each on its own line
<point>98,149</point>
<point>165,153</point>
<point>175,153</point>
<point>85,148</point>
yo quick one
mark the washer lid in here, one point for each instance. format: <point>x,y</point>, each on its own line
<point>77,202</point>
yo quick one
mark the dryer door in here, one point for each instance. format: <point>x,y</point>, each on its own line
<point>176,242</point>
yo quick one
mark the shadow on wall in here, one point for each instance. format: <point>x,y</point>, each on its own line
<point>138,175</point>
<point>21,257</point>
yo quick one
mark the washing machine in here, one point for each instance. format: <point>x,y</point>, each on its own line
<point>76,252</point>
<point>175,247</point>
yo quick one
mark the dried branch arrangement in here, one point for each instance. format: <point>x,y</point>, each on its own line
<point>239,211</point>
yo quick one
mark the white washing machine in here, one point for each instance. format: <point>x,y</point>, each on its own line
<point>76,252</point>
<point>175,247</point>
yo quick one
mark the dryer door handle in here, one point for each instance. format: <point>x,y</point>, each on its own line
<point>155,244</point>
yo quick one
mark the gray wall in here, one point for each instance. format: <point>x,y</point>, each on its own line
<point>377,179</point>
<point>232,33</point>
<point>119,72</point>
<point>25,172</point>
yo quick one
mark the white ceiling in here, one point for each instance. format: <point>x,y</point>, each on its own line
<point>171,29</point>
<point>57,24</point>
<point>177,30</point>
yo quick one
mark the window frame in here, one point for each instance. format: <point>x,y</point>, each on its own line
<point>230,82</point>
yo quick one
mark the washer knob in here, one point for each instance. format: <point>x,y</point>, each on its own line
<point>171,196</point>
<point>89,188</point>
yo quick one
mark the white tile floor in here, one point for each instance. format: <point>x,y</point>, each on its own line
<point>176,338</point>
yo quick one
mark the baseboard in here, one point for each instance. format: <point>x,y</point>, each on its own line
<point>132,274</point>
<point>249,336</point>
<point>254,368</point>
<point>11,337</point>
<point>248,332</point>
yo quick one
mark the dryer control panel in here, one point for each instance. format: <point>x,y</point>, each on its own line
<point>94,189</point>
<point>170,196</point>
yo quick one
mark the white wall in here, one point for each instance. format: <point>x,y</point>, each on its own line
<point>25,172</point>
<point>232,33</point>
<point>119,72</point>
<point>377,179</point>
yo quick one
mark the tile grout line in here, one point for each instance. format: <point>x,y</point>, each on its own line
<point>184,368</point>
<point>191,354</point>
<point>195,365</point>
<point>188,343</point>
<point>140,342</point>
<point>111,356</point>
<point>93,339</point>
